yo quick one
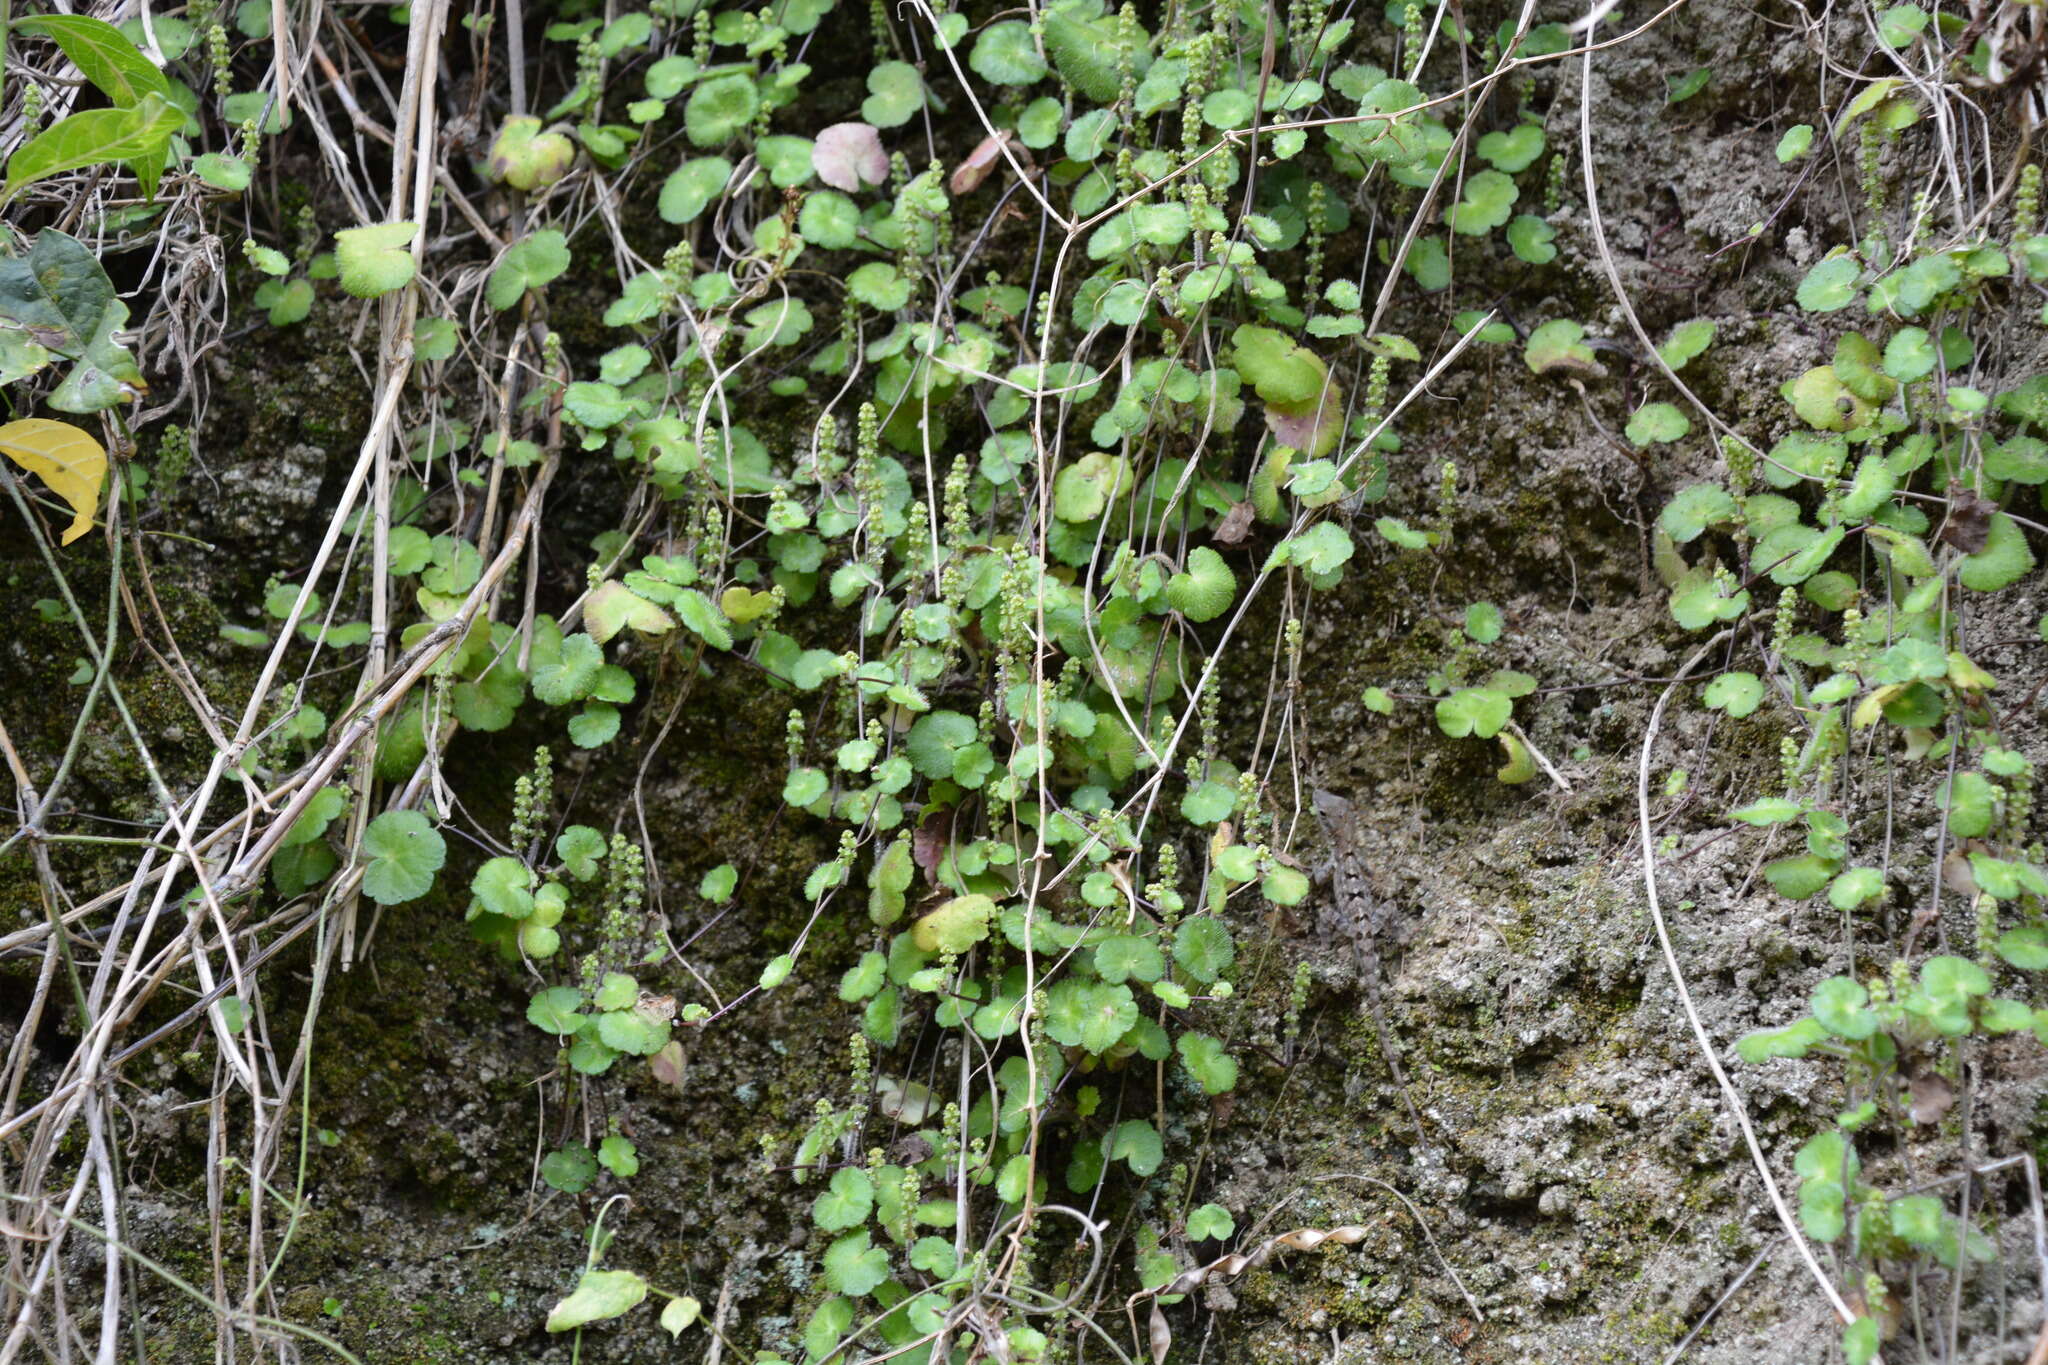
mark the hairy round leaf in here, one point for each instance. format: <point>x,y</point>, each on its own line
<point>403,852</point>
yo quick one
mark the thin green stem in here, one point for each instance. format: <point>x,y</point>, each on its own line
<point>6,21</point>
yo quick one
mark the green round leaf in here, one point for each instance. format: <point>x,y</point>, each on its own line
<point>1693,509</point>
<point>570,1170</point>
<point>1203,948</point>
<point>1971,802</point>
<point>879,286</point>
<point>1213,1068</point>
<point>1205,589</point>
<point>1488,202</point>
<point>374,260</point>
<point>2025,948</point>
<point>1089,135</point>
<point>1559,346</point>
<point>846,1202</point>
<point>720,109</point>
<point>1227,108</point>
<point>527,264</point>
<point>229,173</point>
<point>895,92</point>
<point>1208,802</point>
<point>1475,711</point>
<point>1005,54</point>
<point>1854,887</point>
<point>1128,957</point>
<point>2005,559</point>
<point>855,1267</point>
<point>619,1156</point>
<point>502,886</point>
<point>1039,125</point>
<point>1839,1004</point>
<point>1136,1143</point>
<point>1830,285</point>
<point>403,852</point>
<point>1210,1223</point>
<point>1953,978</point>
<point>1736,693</point>
<point>596,725</point>
<point>1092,1015</point>
<point>1284,885</point>
<point>691,187</point>
<point>787,159</point>
<point>1656,423</point>
<point>1514,150</point>
<point>1531,239</point>
<point>556,1010</point>
<point>954,926</point>
<point>829,219</point>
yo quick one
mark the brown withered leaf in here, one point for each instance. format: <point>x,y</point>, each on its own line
<point>929,844</point>
<point>969,174</point>
<point>1930,1097</point>
<point>1969,519</point>
<point>1312,431</point>
<point>1236,522</point>
<point>1957,874</point>
<point>670,1065</point>
<point>910,1150</point>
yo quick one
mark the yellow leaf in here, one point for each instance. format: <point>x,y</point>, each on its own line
<point>742,605</point>
<point>1871,708</point>
<point>613,606</point>
<point>70,461</point>
<point>1965,676</point>
<point>954,927</point>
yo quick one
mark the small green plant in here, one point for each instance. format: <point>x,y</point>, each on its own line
<point>136,129</point>
<point>1858,587</point>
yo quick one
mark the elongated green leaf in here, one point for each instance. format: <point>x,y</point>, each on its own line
<point>599,1295</point>
<point>101,54</point>
<point>138,135</point>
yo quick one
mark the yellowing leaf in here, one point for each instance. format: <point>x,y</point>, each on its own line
<point>956,926</point>
<point>614,606</point>
<point>1871,708</point>
<point>69,460</point>
<point>742,605</point>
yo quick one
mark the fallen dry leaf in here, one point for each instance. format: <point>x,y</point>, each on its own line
<point>1930,1097</point>
<point>1969,519</point>
<point>969,174</point>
